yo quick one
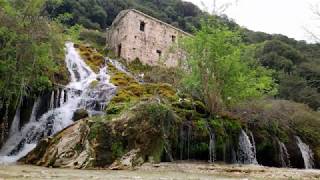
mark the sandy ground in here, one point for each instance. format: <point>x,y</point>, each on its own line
<point>163,171</point>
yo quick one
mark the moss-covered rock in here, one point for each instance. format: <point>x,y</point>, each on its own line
<point>69,148</point>
<point>93,59</point>
<point>100,141</point>
<point>80,114</point>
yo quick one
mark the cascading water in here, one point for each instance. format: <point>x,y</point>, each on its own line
<point>51,105</point>
<point>80,94</point>
<point>16,122</point>
<point>35,109</point>
<point>247,150</point>
<point>212,141</point>
<point>122,68</point>
<point>306,153</point>
<point>283,154</point>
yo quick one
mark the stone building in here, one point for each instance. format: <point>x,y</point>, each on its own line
<point>134,34</point>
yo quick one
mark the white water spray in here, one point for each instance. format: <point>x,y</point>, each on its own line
<point>283,155</point>
<point>247,150</point>
<point>16,122</point>
<point>35,108</point>
<point>80,94</point>
<point>306,152</point>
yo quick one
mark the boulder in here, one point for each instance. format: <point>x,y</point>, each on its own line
<point>122,142</point>
<point>69,148</point>
<point>80,114</point>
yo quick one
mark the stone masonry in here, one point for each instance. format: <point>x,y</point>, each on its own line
<point>134,34</point>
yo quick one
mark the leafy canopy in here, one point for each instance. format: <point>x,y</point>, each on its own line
<point>220,68</point>
<point>31,49</point>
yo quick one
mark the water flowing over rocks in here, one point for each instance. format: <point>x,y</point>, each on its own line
<point>284,155</point>
<point>100,144</point>
<point>247,149</point>
<point>79,94</point>
<point>105,117</point>
<point>306,153</point>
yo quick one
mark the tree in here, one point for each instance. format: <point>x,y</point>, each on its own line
<point>31,48</point>
<point>220,68</point>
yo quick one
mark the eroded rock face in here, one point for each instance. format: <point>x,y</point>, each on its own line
<point>69,148</point>
<point>127,161</point>
<point>124,141</point>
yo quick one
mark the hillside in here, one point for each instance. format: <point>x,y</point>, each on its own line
<point>235,97</point>
<point>296,63</point>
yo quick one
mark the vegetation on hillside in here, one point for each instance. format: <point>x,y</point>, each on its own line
<point>99,14</point>
<point>225,66</point>
<point>296,63</point>
<point>31,51</point>
<point>216,70</point>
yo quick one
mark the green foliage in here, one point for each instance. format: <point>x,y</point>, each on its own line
<point>31,49</point>
<point>117,149</point>
<point>99,14</point>
<point>95,129</point>
<point>96,38</point>
<point>218,72</point>
<point>296,65</point>
<point>74,32</point>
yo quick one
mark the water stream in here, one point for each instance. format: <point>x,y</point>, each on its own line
<point>212,141</point>
<point>306,153</point>
<point>247,150</point>
<point>16,122</point>
<point>283,155</point>
<point>86,90</point>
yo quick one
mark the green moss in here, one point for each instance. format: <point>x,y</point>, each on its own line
<point>121,96</point>
<point>200,107</point>
<point>117,149</point>
<point>114,109</point>
<point>156,151</point>
<point>138,67</point>
<point>136,89</point>
<point>201,124</point>
<point>163,90</point>
<point>201,127</point>
<point>93,59</point>
<point>121,79</point>
<point>226,131</point>
<point>183,104</point>
<point>94,84</point>
<point>95,129</point>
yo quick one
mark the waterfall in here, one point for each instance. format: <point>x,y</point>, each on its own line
<point>16,121</point>
<point>57,98</point>
<point>51,104</point>
<point>283,154</point>
<point>233,156</point>
<point>35,109</point>
<point>185,135</point>
<point>211,148</point>
<point>79,95</point>
<point>212,142</point>
<point>61,101</point>
<point>306,152</point>
<point>247,150</point>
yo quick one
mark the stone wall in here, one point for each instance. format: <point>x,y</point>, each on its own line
<point>137,35</point>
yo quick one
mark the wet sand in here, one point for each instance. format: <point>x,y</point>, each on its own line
<point>163,171</point>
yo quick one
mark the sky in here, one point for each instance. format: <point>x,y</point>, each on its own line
<point>293,18</point>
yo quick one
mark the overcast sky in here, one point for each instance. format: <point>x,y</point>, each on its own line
<point>288,17</point>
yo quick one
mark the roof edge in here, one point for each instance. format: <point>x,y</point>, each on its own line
<point>123,13</point>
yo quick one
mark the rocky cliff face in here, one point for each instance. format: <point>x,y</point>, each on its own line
<point>121,142</point>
